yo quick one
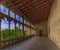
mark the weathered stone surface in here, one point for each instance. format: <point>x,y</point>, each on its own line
<point>35,43</point>
<point>54,23</point>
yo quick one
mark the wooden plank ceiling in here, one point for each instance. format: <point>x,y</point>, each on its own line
<point>36,10</point>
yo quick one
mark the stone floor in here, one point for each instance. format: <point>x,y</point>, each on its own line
<point>35,43</point>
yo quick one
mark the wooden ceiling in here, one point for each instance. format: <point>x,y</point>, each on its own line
<point>36,10</point>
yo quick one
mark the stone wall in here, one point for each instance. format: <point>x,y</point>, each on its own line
<point>27,31</point>
<point>54,23</point>
<point>42,26</point>
<point>33,32</point>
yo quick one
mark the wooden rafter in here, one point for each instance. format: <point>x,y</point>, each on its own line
<point>38,9</point>
<point>33,8</point>
<point>37,6</point>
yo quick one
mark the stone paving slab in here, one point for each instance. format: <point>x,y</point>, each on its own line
<point>35,43</point>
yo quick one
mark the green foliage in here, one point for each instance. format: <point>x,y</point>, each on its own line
<point>5,34</point>
<point>12,33</point>
<point>18,33</point>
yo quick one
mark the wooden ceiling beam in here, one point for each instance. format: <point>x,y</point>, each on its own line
<point>13,1</point>
<point>37,3</point>
<point>39,14</point>
<point>16,3</point>
<point>34,16</point>
<point>37,11</point>
<point>36,6</point>
<point>24,3</point>
<point>40,9</point>
<point>28,5</point>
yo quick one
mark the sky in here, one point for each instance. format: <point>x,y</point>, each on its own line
<point>4,23</point>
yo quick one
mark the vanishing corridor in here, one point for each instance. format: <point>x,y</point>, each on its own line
<point>35,43</point>
<point>29,24</point>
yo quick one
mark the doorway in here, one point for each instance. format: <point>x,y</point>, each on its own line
<point>40,32</point>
